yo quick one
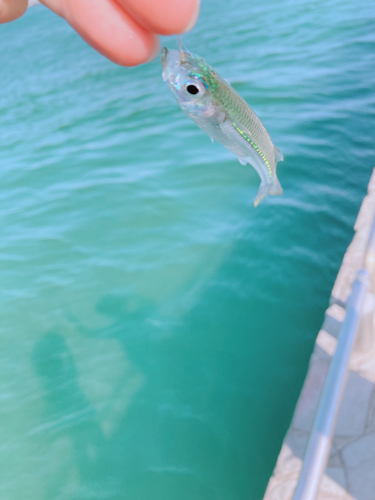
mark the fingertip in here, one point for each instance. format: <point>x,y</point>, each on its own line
<point>146,49</point>
<point>156,50</point>
<point>109,29</point>
<point>10,10</point>
<point>164,17</point>
<point>193,18</point>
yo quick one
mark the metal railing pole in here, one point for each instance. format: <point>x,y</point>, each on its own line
<point>319,444</point>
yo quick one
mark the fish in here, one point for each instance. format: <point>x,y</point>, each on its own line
<point>213,104</point>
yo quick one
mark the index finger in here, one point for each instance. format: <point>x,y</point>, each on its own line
<point>109,28</point>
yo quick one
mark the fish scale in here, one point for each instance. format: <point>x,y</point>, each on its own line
<point>240,112</point>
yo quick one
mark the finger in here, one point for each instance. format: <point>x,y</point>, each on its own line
<point>107,27</point>
<point>165,17</point>
<point>12,9</point>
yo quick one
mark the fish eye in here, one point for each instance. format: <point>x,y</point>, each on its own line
<point>192,89</point>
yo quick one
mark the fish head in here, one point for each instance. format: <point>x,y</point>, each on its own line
<point>191,80</point>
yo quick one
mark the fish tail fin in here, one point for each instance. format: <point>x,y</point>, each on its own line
<point>274,189</point>
<point>262,193</point>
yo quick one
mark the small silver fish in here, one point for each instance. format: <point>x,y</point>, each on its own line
<point>215,107</point>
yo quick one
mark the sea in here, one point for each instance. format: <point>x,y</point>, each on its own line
<point>155,327</point>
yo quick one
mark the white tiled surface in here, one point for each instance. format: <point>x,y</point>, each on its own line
<point>350,474</point>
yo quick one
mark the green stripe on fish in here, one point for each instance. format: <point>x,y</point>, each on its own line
<point>255,147</point>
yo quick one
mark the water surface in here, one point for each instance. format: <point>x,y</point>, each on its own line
<point>155,328</point>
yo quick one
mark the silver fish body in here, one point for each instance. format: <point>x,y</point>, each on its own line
<point>223,114</point>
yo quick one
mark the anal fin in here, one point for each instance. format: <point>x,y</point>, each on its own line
<point>279,155</point>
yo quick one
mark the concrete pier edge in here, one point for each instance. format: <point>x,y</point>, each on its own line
<point>350,473</point>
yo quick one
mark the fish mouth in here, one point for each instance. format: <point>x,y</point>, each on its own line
<point>170,60</point>
<point>164,63</point>
<point>164,57</point>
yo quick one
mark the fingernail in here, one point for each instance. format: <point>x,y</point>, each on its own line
<point>156,50</point>
<point>194,17</point>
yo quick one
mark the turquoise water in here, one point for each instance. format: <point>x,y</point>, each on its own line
<point>155,328</point>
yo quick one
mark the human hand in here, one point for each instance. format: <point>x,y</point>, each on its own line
<point>124,31</point>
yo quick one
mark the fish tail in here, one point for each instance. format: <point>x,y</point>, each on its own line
<point>274,189</point>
